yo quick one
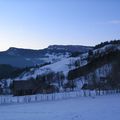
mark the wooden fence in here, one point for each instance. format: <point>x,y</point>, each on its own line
<point>8,99</point>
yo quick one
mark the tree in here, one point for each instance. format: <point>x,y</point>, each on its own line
<point>94,79</point>
<point>90,55</point>
<point>77,63</point>
<point>50,77</point>
<point>114,78</point>
<point>60,78</point>
<point>75,54</point>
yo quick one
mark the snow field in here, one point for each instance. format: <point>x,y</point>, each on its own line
<point>82,108</point>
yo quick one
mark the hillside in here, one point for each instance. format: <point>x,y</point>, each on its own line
<point>75,72</point>
<point>99,62</point>
<point>20,57</point>
<point>99,58</point>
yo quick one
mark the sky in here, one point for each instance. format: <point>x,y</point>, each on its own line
<point>37,24</point>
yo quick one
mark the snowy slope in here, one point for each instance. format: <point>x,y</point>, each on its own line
<point>64,65</point>
<point>100,108</point>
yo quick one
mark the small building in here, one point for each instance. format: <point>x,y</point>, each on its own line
<point>1,89</point>
<point>29,87</point>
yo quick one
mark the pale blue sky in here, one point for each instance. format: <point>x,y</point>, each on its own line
<point>39,23</point>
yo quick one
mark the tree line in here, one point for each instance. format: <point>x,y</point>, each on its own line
<point>102,44</point>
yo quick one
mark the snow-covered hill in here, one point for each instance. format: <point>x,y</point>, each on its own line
<point>85,67</point>
<point>67,64</point>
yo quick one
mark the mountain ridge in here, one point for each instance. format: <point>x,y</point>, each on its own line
<point>21,57</point>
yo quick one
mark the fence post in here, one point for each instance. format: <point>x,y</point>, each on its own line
<point>84,91</point>
<point>17,100</point>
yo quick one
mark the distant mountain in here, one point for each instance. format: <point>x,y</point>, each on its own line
<point>70,48</point>
<point>20,57</point>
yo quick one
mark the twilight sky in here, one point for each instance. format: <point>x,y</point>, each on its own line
<point>38,23</point>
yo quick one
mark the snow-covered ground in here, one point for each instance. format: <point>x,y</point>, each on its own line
<point>63,65</point>
<point>82,108</point>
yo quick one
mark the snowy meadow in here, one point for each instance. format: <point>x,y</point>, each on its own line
<point>80,108</point>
